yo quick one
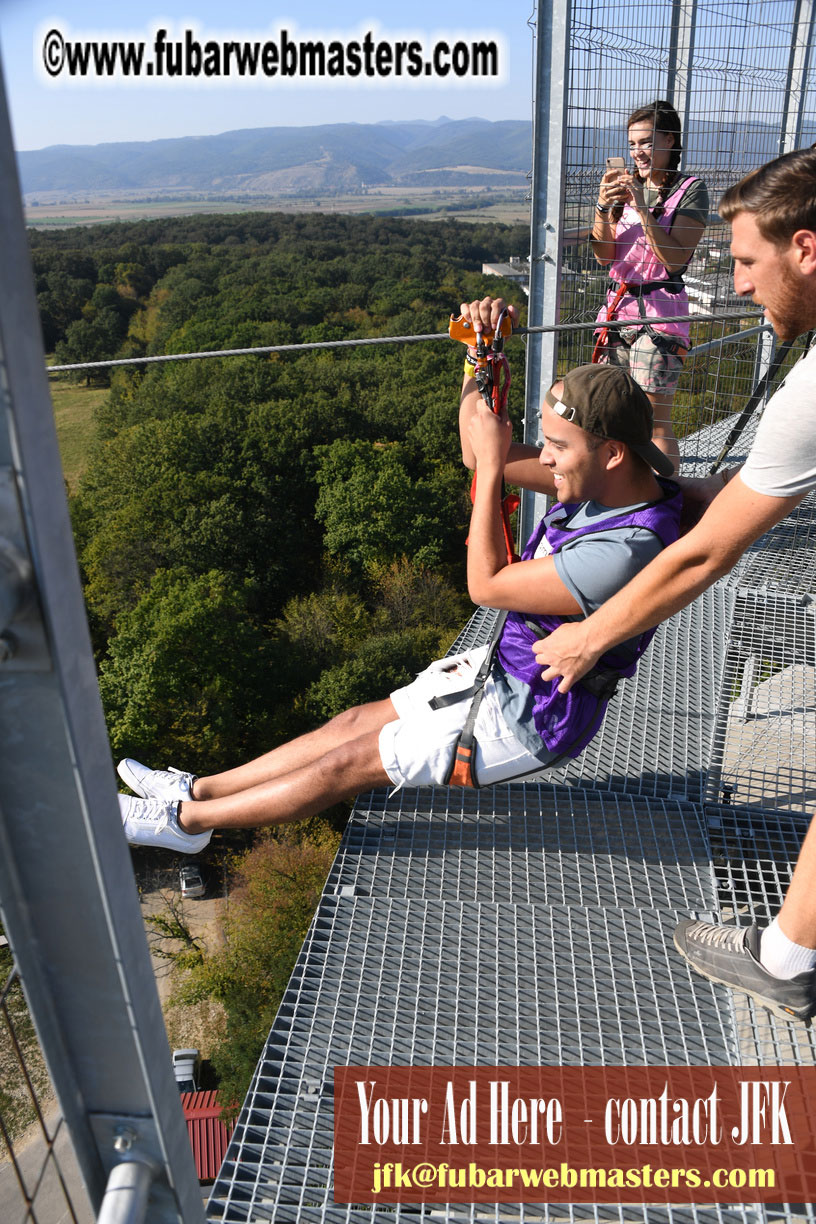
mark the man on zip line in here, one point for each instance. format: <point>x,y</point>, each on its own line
<point>485,716</point>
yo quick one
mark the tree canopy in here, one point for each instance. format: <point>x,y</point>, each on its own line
<point>226,499</point>
<point>266,540</point>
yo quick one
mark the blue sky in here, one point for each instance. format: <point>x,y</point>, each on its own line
<point>58,112</point>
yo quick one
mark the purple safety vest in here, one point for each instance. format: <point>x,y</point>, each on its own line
<point>567,722</point>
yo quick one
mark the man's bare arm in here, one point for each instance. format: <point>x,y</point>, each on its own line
<point>735,518</point>
<point>526,586</point>
<point>523,466</point>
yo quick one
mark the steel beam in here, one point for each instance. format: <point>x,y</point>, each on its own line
<point>797,77</point>
<point>547,219</point>
<point>67,895</point>
<point>681,57</point>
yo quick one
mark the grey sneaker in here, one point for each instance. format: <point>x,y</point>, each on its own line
<point>155,783</point>
<point>730,955</point>
<point>153,822</point>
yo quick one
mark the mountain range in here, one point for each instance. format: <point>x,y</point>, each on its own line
<point>351,157</point>
<point>296,160</point>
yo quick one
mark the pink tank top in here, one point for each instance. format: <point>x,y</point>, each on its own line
<point>636,263</point>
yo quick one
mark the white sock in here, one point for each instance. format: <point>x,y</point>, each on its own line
<point>781,956</point>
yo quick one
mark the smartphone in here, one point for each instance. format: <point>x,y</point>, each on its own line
<point>615,163</point>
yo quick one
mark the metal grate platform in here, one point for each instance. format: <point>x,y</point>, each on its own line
<point>784,558</point>
<point>764,749</point>
<point>395,981</point>
<point>655,739</point>
<point>752,857</point>
<point>533,923</point>
<point>698,449</point>
<point>533,844</point>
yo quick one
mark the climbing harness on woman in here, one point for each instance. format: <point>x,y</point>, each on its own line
<point>649,219</point>
<point>637,273</point>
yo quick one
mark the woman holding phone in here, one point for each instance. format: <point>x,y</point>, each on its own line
<point>648,222</point>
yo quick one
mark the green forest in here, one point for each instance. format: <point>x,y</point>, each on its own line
<point>265,540</point>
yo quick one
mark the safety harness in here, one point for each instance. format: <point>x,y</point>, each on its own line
<point>601,682</point>
<point>491,370</point>
<point>638,290</point>
<point>461,768</point>
<point>671,283</point>
<point>573,719</point>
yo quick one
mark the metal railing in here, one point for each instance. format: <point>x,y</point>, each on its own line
<point>68,900</point>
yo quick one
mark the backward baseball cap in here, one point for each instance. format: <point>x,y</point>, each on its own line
<point>606,401</point>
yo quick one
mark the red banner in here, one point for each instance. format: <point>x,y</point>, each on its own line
<point>575,1134</point>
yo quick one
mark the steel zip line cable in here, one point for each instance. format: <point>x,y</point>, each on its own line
<point>359,342</point>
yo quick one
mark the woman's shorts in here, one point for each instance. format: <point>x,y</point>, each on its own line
<point>417,749</point>
<point>652,368</point>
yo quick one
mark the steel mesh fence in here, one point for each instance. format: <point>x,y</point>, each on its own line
<point>39,1180</point>
<point>732,73</point>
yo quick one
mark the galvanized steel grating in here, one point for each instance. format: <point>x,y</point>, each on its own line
<point>784,558</point>
<point>574,893</point>
<point>698,449</point>
<point>753,853</point>
<point>764,749</point>
<point>533,844</point>
<point>462,983</point>
<point>476,632</point>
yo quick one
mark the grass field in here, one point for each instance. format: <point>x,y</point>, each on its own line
<point>73,411</point>
<point>506,204</point>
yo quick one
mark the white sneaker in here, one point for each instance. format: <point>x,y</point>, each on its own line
<point>153,822</point>
<point>155,783</point>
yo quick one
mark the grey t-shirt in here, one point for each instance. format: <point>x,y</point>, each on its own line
<point>782,461</point>
<point>592,568</point>
<point>694,202</point>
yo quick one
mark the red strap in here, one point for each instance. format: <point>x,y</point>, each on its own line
<point>510,502</point>
<point>603,334</point>
<point>492,375</point>
<point>508,505</point>
<point>500,374</point>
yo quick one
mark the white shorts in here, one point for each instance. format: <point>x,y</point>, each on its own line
<point>417,749</point>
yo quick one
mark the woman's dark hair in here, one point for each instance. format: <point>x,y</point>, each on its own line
<point>663,118</point>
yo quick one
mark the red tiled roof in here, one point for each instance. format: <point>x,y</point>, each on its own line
<point>208,1134</point>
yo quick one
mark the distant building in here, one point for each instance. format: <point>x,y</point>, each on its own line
<point>517,269</point>
<point>711,294</point>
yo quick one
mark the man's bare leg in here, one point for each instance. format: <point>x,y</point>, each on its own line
<point>797,917</point>
<point>663,430</point>
<point>298,753</point>
<point>339,773</point>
